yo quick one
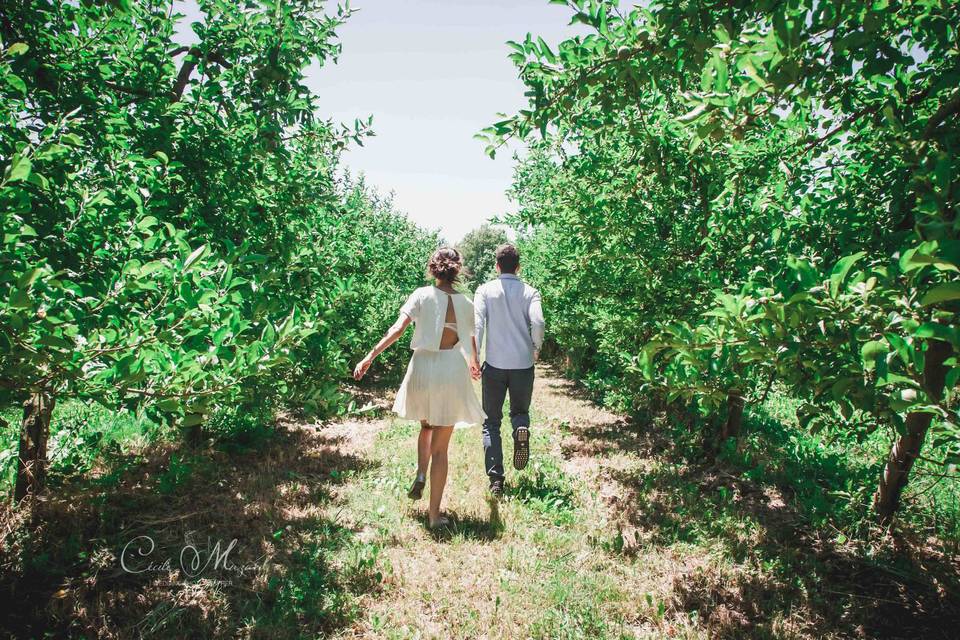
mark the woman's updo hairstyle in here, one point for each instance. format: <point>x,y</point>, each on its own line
<point>445,264</point>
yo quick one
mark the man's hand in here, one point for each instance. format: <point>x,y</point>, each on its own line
<point>362,367</point>
<point>475,369</point>
<point>536,355</point>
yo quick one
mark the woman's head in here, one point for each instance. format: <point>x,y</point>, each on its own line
<point>445,264</point>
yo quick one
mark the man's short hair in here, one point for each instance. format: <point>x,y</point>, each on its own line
<point>508,258</point>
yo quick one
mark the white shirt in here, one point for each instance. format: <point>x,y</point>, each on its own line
<point>509,311</point>
<point>427,307</point>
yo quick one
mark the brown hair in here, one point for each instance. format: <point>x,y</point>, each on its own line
<point>508,258</point>
<point>445,264</point>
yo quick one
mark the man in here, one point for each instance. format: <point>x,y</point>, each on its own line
<point>509,312</point>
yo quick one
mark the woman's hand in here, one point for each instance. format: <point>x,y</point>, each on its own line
<point>475,369</point>
<point>362,367</point>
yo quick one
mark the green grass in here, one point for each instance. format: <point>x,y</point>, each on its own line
<point>524,567</point>
<point>304,574</point>
<point>80,434</point>
<point>834,472</point>
<point>616,529</point>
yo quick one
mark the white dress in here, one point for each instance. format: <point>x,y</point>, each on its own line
<point>437,386</point>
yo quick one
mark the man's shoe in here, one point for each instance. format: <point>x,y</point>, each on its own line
<point>521,447</point>
<point>496,489</point>
<point>416,491</point>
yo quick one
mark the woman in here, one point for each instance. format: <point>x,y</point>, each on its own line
<point>437,389</point>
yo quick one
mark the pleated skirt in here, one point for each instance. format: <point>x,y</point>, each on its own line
<point>437,388</point>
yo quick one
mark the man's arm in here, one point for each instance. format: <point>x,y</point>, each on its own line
<point>479,315</point>
<point>537,325</point>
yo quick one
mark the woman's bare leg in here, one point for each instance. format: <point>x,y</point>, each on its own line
<point>423,449</point>
<point>438,469</point>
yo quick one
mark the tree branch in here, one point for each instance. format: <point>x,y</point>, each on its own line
<point>856,115</point>
<point>183,76</point>
<point>143,93</point>
<point>194,55</point>
<point>853,117</point>
<point>949,108</point>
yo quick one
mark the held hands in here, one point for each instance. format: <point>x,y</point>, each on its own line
<point>475,369</point>
<point>362,367</point>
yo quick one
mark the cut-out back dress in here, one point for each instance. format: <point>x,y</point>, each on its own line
<point>437,388</point>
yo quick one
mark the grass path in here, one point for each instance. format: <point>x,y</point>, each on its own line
<point>537,564</point>
<point>612,531</point>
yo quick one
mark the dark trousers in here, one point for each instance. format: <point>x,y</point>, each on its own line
<point>496,384</point>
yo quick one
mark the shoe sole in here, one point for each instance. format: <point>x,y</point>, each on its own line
<point>416,492</point>
<point>521,448</point>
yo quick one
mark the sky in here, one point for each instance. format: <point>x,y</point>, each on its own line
<point>432,73</point>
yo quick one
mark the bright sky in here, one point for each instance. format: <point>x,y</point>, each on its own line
<point>432,73</point>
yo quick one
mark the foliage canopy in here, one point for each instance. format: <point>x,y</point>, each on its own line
<point>726,195</point>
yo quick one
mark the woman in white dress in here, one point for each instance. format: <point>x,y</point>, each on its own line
<point>436,389</point>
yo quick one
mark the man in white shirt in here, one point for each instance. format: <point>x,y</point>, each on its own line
<point>508,311</point>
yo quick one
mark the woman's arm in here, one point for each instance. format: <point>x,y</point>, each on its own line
<point>475,361</point>
<point>393,334</point>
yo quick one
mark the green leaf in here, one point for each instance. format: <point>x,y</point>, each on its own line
<point>840,271</point>
<point>29,277</point>
<point>721,34</point>
<point>941,293</point>
<point>50,340</point>
<point>869,352</point>
<point>16,82</point>
<point>151,267</point>
<point>690,116</point>
<point>169,405</point>
<point>938,331</point>
<point>39,180</point>
<point>753,74</point>
<point>20,299</point>
<point>20,169</point>
<point>546,51</point>
<point>146,222</point>
<point>720,84</point>
<point>198,253</point>
<point>17,48</point>
<point>192,419</point>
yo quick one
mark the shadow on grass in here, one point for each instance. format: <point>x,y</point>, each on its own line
<point>469,527</point>
<point>61,556</point>
<point>770,509</point>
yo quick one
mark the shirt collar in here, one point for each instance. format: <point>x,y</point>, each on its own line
<point>510,276</point>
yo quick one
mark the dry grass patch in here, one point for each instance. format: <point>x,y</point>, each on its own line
<point>62,571</point>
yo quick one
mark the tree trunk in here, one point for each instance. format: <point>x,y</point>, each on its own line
<point>731,427</point>
<point>34,432</point>
<point>907,447</point>
<point>194,432</point>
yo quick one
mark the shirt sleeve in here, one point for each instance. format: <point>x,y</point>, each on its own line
<point>411,308</point>
<point>479,316</point>
<point>471,319</point>
<point>537,325</point>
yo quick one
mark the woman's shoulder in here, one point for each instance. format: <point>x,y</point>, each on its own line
<point>422,292</point>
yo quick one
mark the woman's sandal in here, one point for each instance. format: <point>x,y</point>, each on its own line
<point>416,491</point>
<point>442,522</point>
<point>521,447</point>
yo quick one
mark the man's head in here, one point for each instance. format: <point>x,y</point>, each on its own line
<point>508,258</point>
